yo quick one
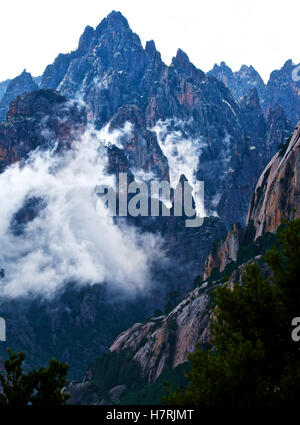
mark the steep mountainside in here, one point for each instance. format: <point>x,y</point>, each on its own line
<point>166,340</point>
<point>150,353</point>
<point>276,198</point>
<point>163,342</point>
<point>277,193</point>
<point>36,118</point>
<point>240,82</point>
<point>185,109</point>
<point>87,317</point>
<point>224,251</point>
<point>19,85</point>
<point>151,121</point>
<point>282,88</point>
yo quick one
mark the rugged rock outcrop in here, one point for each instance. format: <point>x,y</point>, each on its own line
<point>19,85</point>
<point>283,87</point>
<point>38,119</point>
<point>224,251</point>
<point>165,341</point>
<point>277,193</point>
<point>279,129</point>
<point>240,82</point>
<point>276,197</point>
<point>140,145</point>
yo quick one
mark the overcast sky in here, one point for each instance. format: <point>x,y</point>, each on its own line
<point>258,32</point>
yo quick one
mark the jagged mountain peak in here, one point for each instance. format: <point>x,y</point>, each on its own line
<point>249,73</point>
<point>86,38</point>
<point>223,65</point>
<point>245,67</point>
<point>150,48</point>
<point>181,63</point>
<point>19,85</point>
<point>24,74</point>
<point>113,20</point>
<point>181,57</point>
<point>288,64</point>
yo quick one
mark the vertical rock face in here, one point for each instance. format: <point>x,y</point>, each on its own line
<point>140,145</point>
<point>253,119</point>
<point>19,85</point>
<point>28,118</point>
<point>276,197</point>
<point>165,341</point>
<point>279,129</point>
<point>224,251</point>
<point>277,193</point>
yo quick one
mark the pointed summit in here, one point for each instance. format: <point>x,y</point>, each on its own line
<point>86,38</point>
<point>288,64</point>
<point>222,69</point>
<point>182,64</point>
<point>244,68</point>
<point>116,16</point>
<point>181,58</point>
<point>19,85</point>
<point>114,20</point>
<point>150,48</point>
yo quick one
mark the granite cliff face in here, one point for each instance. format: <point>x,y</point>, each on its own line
<point>37,119</point>
<point>165,341</point>
<point>224,251</point>
<point>151,348</point>
<point>277,193</point>
<point>19,85</point>
<point>276,198</point>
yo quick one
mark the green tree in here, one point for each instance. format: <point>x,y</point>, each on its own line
<point>37,387</point>
<point>254,360</point>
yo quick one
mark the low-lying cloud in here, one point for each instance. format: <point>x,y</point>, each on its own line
<point>68,241</point>
<point>182,154</point>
